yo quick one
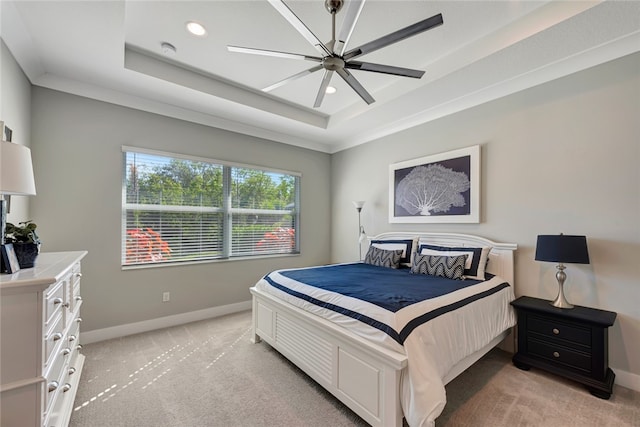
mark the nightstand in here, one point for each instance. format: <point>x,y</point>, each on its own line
<point>572,343</point>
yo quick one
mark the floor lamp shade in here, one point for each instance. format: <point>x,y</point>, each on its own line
<point>561,248</point>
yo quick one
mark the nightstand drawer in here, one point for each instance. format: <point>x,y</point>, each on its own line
<point>556,329</point>
<point>560,354</point>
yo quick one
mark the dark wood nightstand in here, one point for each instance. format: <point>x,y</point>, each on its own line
<point>572,343</point>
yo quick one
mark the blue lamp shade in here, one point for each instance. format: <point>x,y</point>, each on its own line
<point>563,249</point>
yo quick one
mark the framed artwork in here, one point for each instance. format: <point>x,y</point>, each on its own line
<point>442,187</point>
<point>10,262</point>
<point>6,134</point>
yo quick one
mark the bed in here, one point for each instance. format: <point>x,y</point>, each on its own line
<point>390,358</point>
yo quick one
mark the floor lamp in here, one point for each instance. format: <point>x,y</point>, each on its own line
<point>361,234</point>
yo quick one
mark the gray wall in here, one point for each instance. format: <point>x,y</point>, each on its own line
<point>78,161</point>
<point>560,157</point>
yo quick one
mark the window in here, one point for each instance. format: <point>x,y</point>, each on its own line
<point>181,209</point>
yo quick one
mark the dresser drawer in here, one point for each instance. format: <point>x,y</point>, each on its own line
<point>74,288</point>
<point>560,354</point>
<point>558,329</point>
<point>55,375</point>
<point>53,303</point>
<point>73,337</point>
<point>53,339</point>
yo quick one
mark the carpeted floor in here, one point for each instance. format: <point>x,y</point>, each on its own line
<point>209,374</point>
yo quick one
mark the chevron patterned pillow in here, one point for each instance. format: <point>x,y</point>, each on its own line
<point>383,258</point>
<point>451,267</point>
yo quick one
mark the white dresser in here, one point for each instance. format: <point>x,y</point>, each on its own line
<point>40,359</point>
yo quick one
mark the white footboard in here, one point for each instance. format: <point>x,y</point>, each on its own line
<point>363,376</point>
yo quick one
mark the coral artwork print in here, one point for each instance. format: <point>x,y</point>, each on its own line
<point>432,189</point>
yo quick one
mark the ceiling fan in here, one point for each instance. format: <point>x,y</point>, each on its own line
<point>333,56</point>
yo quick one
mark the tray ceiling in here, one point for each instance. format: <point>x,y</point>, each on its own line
<point>112,51</point>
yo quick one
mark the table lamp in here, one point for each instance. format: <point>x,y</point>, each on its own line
<point>562,249</point>
<point>16,176</point>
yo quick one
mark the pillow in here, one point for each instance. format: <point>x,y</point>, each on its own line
<point>476,260</point>
<point>451,267</point>
<point>382,257</point>
<point>406,245</point>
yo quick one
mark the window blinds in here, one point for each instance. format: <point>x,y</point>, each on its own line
<point>180,209</point>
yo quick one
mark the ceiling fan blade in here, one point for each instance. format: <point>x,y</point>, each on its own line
<point>288,14</point>
<point>396,36</point>
<point>323,88</point>
<point>355,85</point>
<point>385,69</point>
<point>292,78</point>
<point>351,17</point>
<point>273,53</point>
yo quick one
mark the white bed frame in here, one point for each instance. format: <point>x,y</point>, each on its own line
<point>362,375</point>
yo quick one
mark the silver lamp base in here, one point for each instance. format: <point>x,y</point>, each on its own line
<point>561,301</point>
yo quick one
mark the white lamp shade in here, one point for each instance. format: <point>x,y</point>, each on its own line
<point>359,204</point>
<point>16,171</point>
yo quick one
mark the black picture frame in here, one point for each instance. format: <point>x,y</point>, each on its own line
<point>10,262</point>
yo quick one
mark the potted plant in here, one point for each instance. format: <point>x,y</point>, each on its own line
<point>25,240</point>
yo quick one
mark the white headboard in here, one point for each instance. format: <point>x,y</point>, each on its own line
<point>501,261</point>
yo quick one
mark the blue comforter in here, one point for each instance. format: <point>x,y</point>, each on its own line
<point>390,289</point>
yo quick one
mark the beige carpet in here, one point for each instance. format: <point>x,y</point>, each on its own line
<point>209,374</point>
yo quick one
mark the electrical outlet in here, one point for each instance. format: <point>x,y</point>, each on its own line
<point>166,296</point>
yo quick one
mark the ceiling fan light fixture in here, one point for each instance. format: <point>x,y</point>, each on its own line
<point>196,28</point>
<point>331,90</point>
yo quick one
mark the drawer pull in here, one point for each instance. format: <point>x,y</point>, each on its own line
<point>72,371</point>
<point>57,301</point>
<point>79,319</point>
<point>53,385</point>
<point>72,338</point>
<point>556,354</point>
<point>66,351</point>
<point>66,387</point>
<point>556,331</point>
<point>78,274</point>
<point>66,304</point>
<point>79,347</point>
<point>78,298</point>
<point>57,336</point>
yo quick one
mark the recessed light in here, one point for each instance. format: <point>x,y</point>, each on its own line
<point>196,29</point>
<point>331,90</point>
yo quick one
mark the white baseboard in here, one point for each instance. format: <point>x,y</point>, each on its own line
<point>161,322</point>
<point>627,379</point>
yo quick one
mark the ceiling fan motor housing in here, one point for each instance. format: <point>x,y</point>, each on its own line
<point>332,63</point>
<point>333,6</point>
